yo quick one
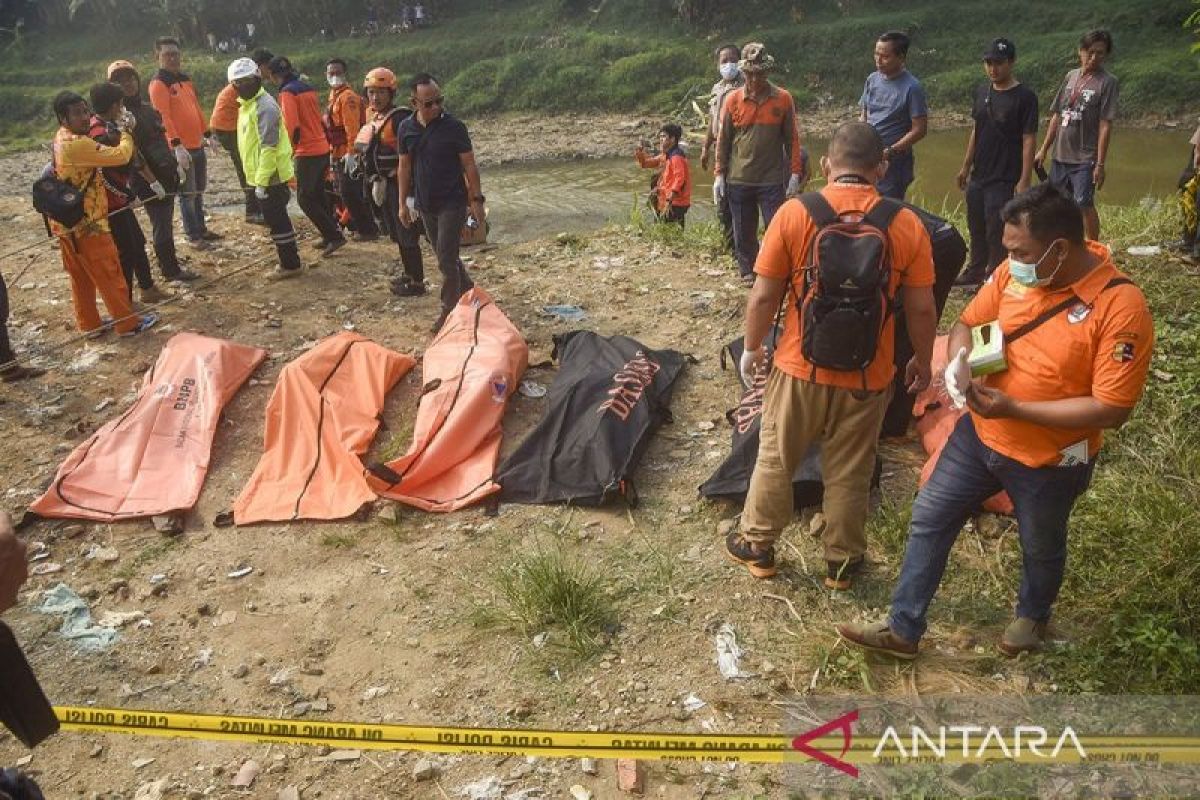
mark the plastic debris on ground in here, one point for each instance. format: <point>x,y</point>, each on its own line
<point>1144,250</point>
<point>729,654</point>
<point>565,313</point>
<point>77,625</point>
<point>532,389</point>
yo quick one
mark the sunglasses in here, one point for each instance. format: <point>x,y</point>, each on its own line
<point>437,101</point>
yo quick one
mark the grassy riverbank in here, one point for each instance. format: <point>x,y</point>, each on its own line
<point>538,55</point>
<point>1130,605</point>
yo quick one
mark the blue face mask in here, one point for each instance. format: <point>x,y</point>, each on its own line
<point>1027,275</point>
<point>729,70</point>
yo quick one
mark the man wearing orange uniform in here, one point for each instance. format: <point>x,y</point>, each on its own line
<point>223,124</point>
<point>344,117</point>
<point>302,119</point>
<point>174,98</point>
<point>805,404</point>
<point>88,252</point>
<point>674,187</point>
<point>1078,338</point>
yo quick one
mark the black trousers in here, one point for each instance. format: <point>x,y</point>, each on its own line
<point>228,140</point>
<point>675,214</point>
<point>949,252</point>
<point>984,202</point>
<point>444,228</point>
<point>310,194</point>
<point>274,211</point>
<point>407,239</point>
<point>7,356</point>
<point>162,224</point>
<point>131,248</point>
<point>351,190</point>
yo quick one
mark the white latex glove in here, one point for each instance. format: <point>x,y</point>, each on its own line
<point>748,364</point>
<point>379,192</point>
<point>159,192</point>
<point>213,145</point>
<point>793,186</point>
<point>260,192</point>
<point>128,121</point>
<point>350,163</point>
<point>183,157</point>
<point>958,376</point>
<point>718,189</point>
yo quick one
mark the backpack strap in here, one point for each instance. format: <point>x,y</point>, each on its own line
<point>818,208</point>
<point>1051,313</point>
<point>882,214</point>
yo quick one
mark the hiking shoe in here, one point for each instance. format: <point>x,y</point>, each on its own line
<point>839,575</point>
<point>760,561</point>
<point>147,321</point>
<point>365,237</point>
<point>15,372</point>
<point>1179,245</point>
<point>211,236</point>
<point>152,294</point>
<point>281,274</point>
<point>332,247</point>
<point>200,244</point>
<point>406,287</point>
<point>1022,635</point>
<point>877,636</point>
<point>184,276</point>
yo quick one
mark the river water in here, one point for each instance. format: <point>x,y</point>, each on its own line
<point>531,200</point>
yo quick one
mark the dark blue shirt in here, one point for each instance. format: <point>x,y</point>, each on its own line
<point>436,164</point>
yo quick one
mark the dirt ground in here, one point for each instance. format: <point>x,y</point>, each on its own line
<point>334,610</point>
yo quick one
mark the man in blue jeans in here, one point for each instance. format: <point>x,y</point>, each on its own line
<point>1078,341</point>
<point>758,154</point>
<point>893,102</point>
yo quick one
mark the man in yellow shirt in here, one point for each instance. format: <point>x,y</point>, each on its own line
<point>88,252</point>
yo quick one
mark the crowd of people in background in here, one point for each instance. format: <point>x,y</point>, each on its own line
<point>855,260</point>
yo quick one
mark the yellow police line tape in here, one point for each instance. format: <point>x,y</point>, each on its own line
<point>843,750</point>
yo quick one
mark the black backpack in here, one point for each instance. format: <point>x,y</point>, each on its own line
<point>378,159</point>
<point>845,298</point>
<point>61,200</point>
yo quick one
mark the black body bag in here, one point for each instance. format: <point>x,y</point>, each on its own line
<point>731,480</point>
<point>609,397</point>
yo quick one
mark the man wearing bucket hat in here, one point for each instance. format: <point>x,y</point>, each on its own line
<point>266,153</point>
<point>759,160</point>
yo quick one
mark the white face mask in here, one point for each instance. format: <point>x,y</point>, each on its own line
<point>729,70</point>
<point>336,80</point>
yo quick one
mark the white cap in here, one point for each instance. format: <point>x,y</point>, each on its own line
<point>241,68</point>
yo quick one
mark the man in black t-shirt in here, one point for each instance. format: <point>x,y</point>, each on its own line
<point>999,158</point>
<point>437,166</point>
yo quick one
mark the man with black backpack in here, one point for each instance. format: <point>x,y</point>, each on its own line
<point>1077,345</point>
<point>378,149</point>
<point>85,242</point>
<point>840,259</point>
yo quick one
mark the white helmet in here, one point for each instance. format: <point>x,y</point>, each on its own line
<point>241,68</point>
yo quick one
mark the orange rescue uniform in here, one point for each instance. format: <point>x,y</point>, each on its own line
<point>785,249</point>
<point>344,116</point>
<point>675,180</point>
<point>174,98</point>
<point>1098,348</point>
<point>225,110</point>
<point>302,118</point>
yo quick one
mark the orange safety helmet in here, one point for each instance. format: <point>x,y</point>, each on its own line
<point>380,78</point>
<point>117,66</point>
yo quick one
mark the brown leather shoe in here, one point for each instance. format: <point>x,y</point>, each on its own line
<point>760,561</point>
<point>877,636</point>
<point>839,575</point>
<point>1022,635</point>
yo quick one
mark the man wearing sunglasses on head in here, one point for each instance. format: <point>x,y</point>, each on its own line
<point>437,167</point>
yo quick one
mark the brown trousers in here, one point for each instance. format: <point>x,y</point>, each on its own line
<point>797,414</point>
<point>93,266</point>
